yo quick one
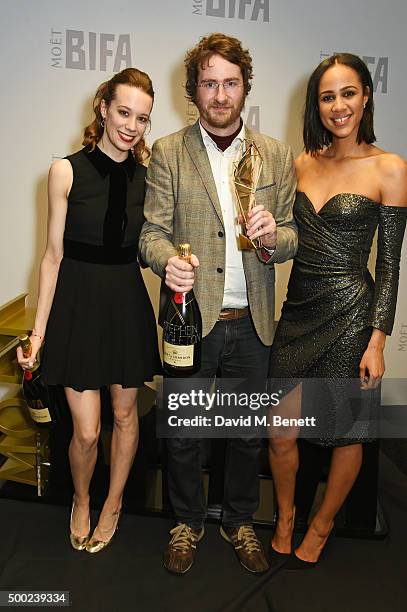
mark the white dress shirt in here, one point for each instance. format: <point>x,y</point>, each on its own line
<point>235,292</point>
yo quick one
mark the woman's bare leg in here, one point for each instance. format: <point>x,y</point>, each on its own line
<point>85,411</point>
<point>123,450</point>
<point>283,458</point>
<point>345,467</point>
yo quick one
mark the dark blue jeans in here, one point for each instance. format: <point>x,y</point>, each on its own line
<point>232,350</point>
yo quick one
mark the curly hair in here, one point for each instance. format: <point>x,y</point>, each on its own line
<point>315,135</point>
<point>106,91</point>
<point>228,47</point>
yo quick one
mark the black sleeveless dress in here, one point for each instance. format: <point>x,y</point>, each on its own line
<point>333,303</point>
<point>101,329</point>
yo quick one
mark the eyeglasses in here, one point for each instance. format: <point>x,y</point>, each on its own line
<point>229,85</point>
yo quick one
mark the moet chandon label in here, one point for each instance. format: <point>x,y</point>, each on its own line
<point>177,355</point>
<point>39,413</point>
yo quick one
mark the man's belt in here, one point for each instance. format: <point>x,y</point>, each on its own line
<point>233,313</point>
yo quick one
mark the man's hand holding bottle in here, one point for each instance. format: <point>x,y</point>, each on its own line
<point>180,274</point>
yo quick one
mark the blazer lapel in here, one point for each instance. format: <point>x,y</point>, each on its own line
<point>199,157</point>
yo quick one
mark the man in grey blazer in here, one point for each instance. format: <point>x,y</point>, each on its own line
<point>190,198</point>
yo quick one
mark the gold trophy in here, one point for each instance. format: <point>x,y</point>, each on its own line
<point>246,175</point>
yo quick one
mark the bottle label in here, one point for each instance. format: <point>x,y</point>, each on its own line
<point>177,355</point>
<point>40,415</point>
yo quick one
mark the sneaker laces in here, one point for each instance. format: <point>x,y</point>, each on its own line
<point>183,538</point>
<point>248,539</point>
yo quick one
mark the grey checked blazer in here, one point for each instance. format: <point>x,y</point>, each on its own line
<point>182,205</point>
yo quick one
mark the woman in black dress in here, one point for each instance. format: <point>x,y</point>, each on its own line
<point>335,319</point>
<point>93,308</point>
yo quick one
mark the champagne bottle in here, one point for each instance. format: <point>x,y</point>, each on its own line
<point>182,330</point>
<point>35,391</point>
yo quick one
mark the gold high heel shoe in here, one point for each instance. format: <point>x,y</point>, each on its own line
<point>95,546</point>
<point>77,542</point>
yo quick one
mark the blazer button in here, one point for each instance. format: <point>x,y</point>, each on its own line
<point>220,270</point>
<point>220,234</point>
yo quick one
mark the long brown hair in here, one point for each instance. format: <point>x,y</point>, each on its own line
<point>107,91</point>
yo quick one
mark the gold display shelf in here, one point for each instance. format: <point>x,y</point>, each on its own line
<point>10,372</point>
<point>6,343</point>
<point>22,444</point>
<point>26,460</point>
<point>14,418</point>
<point>17,445</point>
<point>18,472</point>
<point>15,317</point>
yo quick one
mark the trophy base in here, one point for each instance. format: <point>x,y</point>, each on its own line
<point>245,244</point>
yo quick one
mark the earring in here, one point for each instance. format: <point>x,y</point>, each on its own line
<point>364,106</point>
<point>102,123</point>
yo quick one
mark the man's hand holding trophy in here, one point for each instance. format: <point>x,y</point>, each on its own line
<point>246,176</point>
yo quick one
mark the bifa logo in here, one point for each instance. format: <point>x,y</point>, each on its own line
<point>252,10</point>
<point>251,116</point>
<point>378,67</point>
<point>79,50</point>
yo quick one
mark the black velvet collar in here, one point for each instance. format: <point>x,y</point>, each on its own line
<point>104,164</point>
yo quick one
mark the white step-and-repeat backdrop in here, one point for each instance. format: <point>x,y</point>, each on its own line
<point>55,53</point>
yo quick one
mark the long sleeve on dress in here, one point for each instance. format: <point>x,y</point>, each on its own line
<point>392,223</point>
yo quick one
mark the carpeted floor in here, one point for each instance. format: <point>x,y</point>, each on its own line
<point>356,575</point>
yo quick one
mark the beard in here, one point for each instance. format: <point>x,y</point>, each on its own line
<point>221,120</point>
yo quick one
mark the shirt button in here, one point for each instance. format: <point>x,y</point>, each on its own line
<point>220,234</point>
<point>220,270</point>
